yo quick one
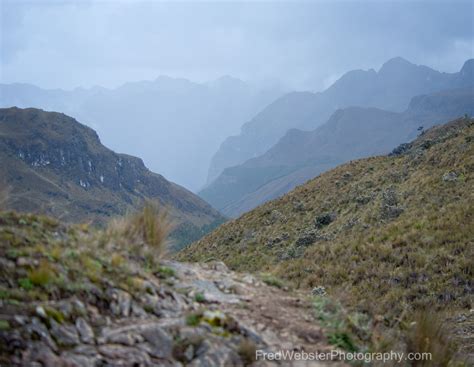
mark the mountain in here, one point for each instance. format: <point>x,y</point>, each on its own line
<point>391,88</point>
<point>350,133</point>
<point>174,124</point>
<point>57,166</point>
<point>387,235</point>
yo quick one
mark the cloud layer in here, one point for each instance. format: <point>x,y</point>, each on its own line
<point>305,44</point>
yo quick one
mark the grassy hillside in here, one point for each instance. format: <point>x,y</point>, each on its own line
<point>350,133</point>
<point>385,235</point>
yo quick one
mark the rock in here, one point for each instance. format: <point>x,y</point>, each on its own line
<point>121,303</point>
<point>77,360</point>
<point>26,261</point>
<point>318,291</point>
<point>324,219</point>
<point>189,352</point>
<point>138,311</point>
<point>161,343</point>
<point>147,336</point>
<point>119,355</point>
<point>65,335</point>
<point>40,311</point>
<point>249,279</point>
<point>85,331</point>
<point>212,293</point>
<point>37,329</point>
<point>79,307</point>
<point>218,266</point>
<point>450,176</point>
<point>213,354</point>
<point>38,352</point>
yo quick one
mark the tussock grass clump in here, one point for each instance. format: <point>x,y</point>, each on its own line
<point>272,280</point>
<point>427,334</point>
<point>42,275</point>
<point>143,232</point>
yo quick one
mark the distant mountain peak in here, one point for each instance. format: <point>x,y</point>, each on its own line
<point>395,64</point>
<point>468,67</point>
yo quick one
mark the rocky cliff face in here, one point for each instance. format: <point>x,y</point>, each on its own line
<point>55,165</point>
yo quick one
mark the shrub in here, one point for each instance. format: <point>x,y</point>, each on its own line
<point>42,275</point>
<point>199,297</point>
<point>193,319</point>
<point>247,351</point>
<point>427,334</point>
<point>147,228</point>
<point>272,280</point>
<point>165,272</point>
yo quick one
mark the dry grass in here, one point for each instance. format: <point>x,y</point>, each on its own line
<point>427,334</point>
<point>401,240</point>
<point>143,232</point>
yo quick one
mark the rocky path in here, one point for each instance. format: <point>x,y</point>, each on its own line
<point>196,315</point>
<point>275,319</point>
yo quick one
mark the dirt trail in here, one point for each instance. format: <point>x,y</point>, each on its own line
<point>280,319</point>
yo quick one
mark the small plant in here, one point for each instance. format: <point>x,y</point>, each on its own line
<point>165,272</point>
<point>42,275</point>
<point>117,260</point>
<point>193,319</point>
<point>26,284</point>
<point>272,280</point>
<point>247,351</point>
<point>4,325</point>
<point>54,314</point>
<point>336,321</point>
<point>199,297</point>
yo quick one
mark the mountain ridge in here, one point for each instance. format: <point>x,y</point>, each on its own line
<point>350,133</point>
<point>390,88</point>
<point>57,166</point>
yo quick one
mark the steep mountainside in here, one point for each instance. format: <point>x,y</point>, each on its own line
<point>386,235</point>
<point>178,123</point>
<point>52,164</point>
<point>391,88</point>
<point>350,133</point>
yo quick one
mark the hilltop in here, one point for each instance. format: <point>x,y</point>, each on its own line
<point>386,235</point>
<point>54,165</point>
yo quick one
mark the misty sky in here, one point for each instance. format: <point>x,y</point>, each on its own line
<point>305,44</point>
